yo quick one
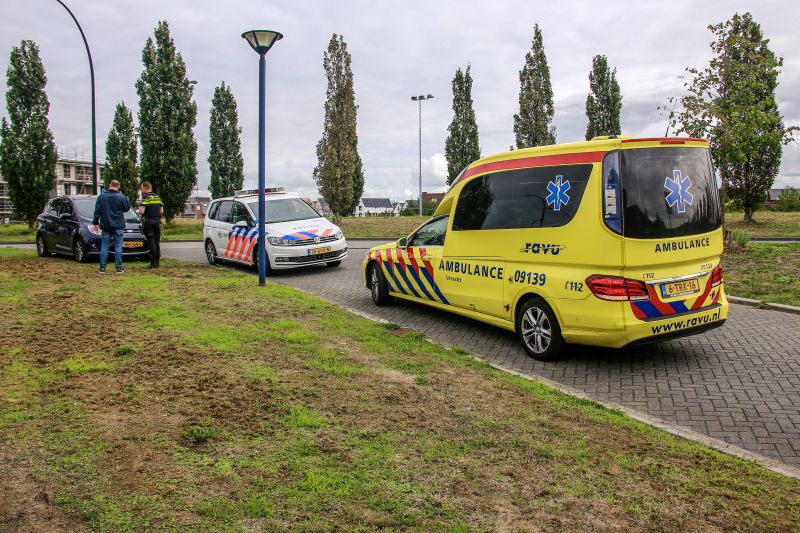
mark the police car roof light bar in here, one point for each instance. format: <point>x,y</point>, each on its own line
<point>268,190</point>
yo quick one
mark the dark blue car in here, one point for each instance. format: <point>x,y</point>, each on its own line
<point>65,227</point>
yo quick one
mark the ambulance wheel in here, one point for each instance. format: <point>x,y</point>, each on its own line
<point>379,287</point>
<point>538,330</point>
<point>211,253</point>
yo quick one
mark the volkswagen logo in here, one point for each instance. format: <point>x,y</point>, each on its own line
<point>316,240</point>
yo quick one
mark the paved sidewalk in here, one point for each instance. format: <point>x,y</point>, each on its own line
<point>739,383</point>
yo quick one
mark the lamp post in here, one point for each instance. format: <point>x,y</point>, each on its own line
<point>261,41</point>
<point>94,128</point>
<point>419,99</point>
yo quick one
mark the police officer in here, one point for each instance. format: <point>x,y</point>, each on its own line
<point>151,210</point>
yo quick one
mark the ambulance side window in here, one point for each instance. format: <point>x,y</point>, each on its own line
<point>544,197</point>
<point>432,233</point>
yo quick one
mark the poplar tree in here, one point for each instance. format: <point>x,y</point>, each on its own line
<point>732,104</point>
<point>358,183</point>
<point>225,156</point>
<point>122,154</point>
<point>461,146</point>
<point>336,151</point>
<point>167,116</point>
<point>27,150</point>
<point>604,103</point>
<point>532,126</point>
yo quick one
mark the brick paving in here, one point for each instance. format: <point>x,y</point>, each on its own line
<point>739,383</point>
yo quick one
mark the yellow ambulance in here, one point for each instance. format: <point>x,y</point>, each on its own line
<point>610,242</point>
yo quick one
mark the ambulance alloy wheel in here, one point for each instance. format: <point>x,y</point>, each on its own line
<point>538,330</point>
<point>378,286</point>
<point>211,253</point>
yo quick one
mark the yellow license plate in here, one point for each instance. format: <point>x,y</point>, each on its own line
<point>680,287</point>
<point>319,250</point>
<point>133,244</point>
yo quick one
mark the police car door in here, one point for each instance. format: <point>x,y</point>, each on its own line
<point>414,267</point>
<point>242,240</point>
<point>222,228</point>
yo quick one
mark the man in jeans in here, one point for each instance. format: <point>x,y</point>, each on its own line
<point>110,211</point>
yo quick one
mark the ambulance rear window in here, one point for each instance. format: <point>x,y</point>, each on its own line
<point>668,192</point>
<point>544,197</point>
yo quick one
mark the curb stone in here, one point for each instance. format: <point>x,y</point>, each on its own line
<point>673,429</point>
<point>769,306</point>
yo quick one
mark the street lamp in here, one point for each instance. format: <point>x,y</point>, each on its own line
<point>419,99</point>
<point>91,71</point>
<point>261,41</point>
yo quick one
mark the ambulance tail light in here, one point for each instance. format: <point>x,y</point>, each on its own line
<point>717,277</point>
<point>617,289</point>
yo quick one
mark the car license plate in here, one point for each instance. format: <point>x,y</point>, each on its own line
<point>319,250</point>
<point>132,244</point>
<point>680,287</point>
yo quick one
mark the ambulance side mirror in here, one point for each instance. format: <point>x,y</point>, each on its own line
<point>402,243</point>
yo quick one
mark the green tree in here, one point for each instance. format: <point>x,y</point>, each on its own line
<point>461,147</point>
<point>225,156</point>
<point>732,104</point>
<point>532,126</point>
<point>167,116</point>
<point>604,103</point>
<point>412,208</point>
<point>358,183</point>
<point>789,200</point>
<point>27,150</point>
<point>122,154</point>
<point>336,151</point>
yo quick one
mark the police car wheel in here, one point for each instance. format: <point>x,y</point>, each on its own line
<point>211,253</point>
<point>41,247</point>
<point>267,266</point>
<point>539,331</point>
<point>378,286</point>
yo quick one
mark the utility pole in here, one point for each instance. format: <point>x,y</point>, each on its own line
<point>419,99</point>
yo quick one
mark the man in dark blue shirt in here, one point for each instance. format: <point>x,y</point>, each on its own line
<point>109,212</point>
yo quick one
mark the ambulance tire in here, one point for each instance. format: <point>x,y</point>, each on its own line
<point>538,330</point>
<point>378,286</point>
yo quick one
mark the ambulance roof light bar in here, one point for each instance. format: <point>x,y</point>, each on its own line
<point>268,190</point>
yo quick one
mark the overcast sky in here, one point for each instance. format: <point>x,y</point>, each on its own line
<point>399,49</point>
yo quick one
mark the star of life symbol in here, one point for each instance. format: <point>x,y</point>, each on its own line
<point>679,191</point>
<point>558,193</point>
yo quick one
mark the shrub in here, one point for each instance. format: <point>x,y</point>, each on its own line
<point>789,200</point>
<point>739,239</point>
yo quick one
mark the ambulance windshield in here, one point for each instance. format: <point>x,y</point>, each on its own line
<point>668,192</point>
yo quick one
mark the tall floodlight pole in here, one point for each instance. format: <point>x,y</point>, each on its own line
<point>419,99</point>
<point>261,41</point>
<point>94,128</point>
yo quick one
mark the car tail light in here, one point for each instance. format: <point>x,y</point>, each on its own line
<point>617,289</point>
<point>717,277</point>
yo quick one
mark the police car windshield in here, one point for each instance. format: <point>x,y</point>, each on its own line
<point>85,207</point>
<point>285,210</point>
<point>668,192</point>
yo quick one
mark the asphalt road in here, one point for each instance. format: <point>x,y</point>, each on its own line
<point>739,383</point>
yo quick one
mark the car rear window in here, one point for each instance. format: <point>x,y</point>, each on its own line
<point>544,197</point>
<point>668,192</point>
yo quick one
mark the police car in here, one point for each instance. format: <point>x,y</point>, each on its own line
<point>296,234</point>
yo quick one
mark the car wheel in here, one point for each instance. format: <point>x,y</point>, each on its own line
<point>379,287</point>
<point>79,251</point>
<point>211,253</point>
<point>333,264</point>
<point>539,331</point>
<point>41,247</point>
<point>267,267</point>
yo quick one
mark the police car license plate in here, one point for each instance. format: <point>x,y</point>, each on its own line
<point>319,250</point>
<point>680,287</point>
<point>132,244</point>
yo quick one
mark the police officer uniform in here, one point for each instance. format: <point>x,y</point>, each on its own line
<point>152,225</point>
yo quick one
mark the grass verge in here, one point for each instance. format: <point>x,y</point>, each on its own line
<point>766,224</point>
<point>764,271</point>
<point>190,399</point>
